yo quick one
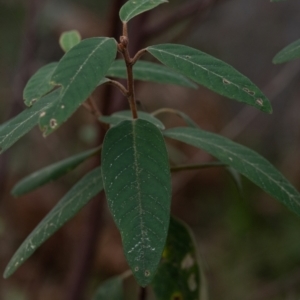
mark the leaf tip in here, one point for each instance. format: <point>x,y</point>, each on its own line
<point>14,192</point>
<point>8,271</point>
<point>276,61</point>
<point>143,277</point>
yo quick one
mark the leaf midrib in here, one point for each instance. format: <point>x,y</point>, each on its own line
<point>64,90</point>
<point>202,67</point>
<point>133,11</point>
<point>139,198</point>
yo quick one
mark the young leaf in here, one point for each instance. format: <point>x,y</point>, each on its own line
<point>39,84</point>
<point>69,39</point>
<point>133,8</point>
<point>14,129</point>
<point>148,71</point>
<point>178,275</point>
<point>137,184</point>
<point>290,52</point>
<point>80,194</point>
<point>212,73</point>
<point>120,116</point>
<point>51,173</point>
<point>78,73</point>
<point>247,162</point>
<point>111,289</point>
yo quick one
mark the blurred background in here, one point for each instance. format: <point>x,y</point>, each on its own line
<point>249,243</point>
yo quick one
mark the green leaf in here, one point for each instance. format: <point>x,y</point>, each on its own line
<point>179,113</point>
<point>80,194</point>
<point>247,162</point>
<point>111,289</point>
<point>120,116</point>
<point>133,8</point>
<point>148,71</point>
<point>290,52</point>
<point>39,84</point>
<point>14,129</point>
<point>69,39</point>
<point>137,184</point>
<point>51,173</point>
<point>78,72</point>
<point>178,275</point>
<point>212,73</point>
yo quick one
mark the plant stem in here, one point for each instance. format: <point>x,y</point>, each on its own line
<point>197,166</point>
<point>120,86</point>
<point>95,109</point>
<point>143,294</point>
<point>125,30</point>
<point>91,106</point>
<point>138,56</point>
<point>123,48</point>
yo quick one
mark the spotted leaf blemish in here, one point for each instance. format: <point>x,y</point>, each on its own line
<point>260,102</point>
<point>187,262</point>
<point>33,101</point>
<point>192,282</point>
<point>53,123</point>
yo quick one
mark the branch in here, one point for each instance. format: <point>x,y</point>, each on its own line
<point>119,86</point>
<point>143,294</point>
<point>197,166</point>
<point>91,106</point>
<point>138,55</point>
